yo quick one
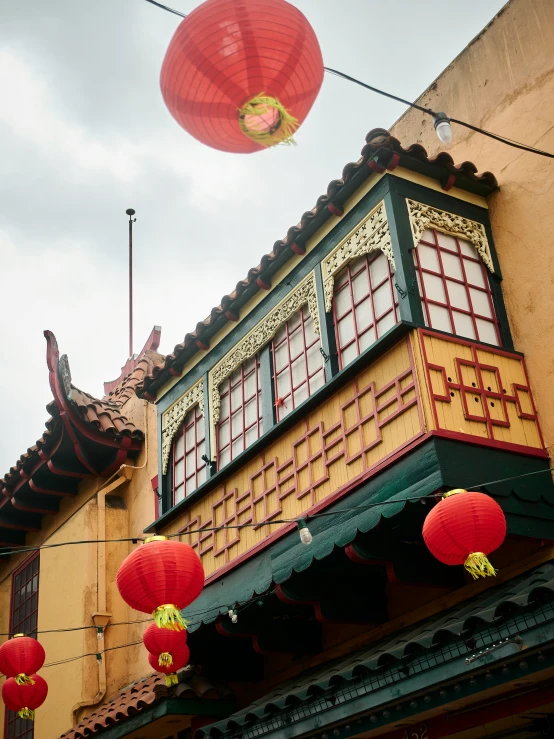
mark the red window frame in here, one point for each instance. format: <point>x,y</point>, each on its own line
<point>445,278</point>
<point>286,402</point>
<point>193,447</point>
<point>229,389</point>
<point>343,282</point>
<point>26,622</point>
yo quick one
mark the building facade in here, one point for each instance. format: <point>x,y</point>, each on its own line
<point>394,345</point>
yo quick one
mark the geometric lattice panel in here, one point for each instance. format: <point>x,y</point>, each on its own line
<point>478,391</point>
<point>340,443</point>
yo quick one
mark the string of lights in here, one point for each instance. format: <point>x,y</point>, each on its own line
<point>301,521</point>
<point>441,120</point>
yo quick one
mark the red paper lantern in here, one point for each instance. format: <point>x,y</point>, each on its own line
<point>161,577</point>
<point>463,529</point>
<point>180,660</point>
<point>163,643</point>
<point>26,698</point>
<point>21,657</point>
<point>241,75</point>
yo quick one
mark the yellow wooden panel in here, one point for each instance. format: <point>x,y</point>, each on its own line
<point>368,419</point>
<point>470,390</point>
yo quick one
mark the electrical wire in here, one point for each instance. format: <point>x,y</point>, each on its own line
<point>428,111</point>
<point>259,524</point>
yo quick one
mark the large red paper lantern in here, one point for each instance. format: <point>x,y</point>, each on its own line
<point>21,657</point>
<point>241,75</point>
<point>463,529</point>
<point>180,660</point>
<point>26,698</point>
<point>164,643</point>
<point>161,577</point>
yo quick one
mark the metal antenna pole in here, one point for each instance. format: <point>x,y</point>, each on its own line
<point>130,212</point>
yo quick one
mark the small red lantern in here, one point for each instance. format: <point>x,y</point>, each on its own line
<point>161,577</point>
<point>180,660</point>
<point>241,75</point>
<point>163,643</point>
<point>463,529</point>
<point>25,698</point>
<point>21,657</point>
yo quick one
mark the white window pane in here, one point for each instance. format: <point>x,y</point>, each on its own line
<point>452,265</point>
<point>360,285</point>
<point>427,235</point>
<point>367,339</point>
<point>349,354</point>
<point>463,325</point>
<point>300,394</point>
<point>423,308</point>
<point>190,437</point>
<point>201,475</point>
<point>343,300</point>
<point>382,299</point>
<point>439,318</point>
<point>364,314</point>
<point>251,411</point>
<point>251,436</point>
<point>284,410</point>
<point>298,368</point>
<point>346,329</point>
<point>468,249</point>
<point>434,288</point>
<point>235,376</point>
<point>296,342</point>
<point>378,269</point>
<point>236,397</point>
<point>237,447</point>
<point>249,365</point>
<point>281,335</point>
<point>179,493</point>
<point>457,294</point>
<point>487,332</point>
<point>179,472</point>
<point>480,301</point>
<point>317,380</point>
<point>179,446</point>
<point>190,462</point>
<point>385,323</point>
<point>309,332</point>
<point>428,257</point>
<point>236,423</point>
<point>341,279</point>
<point>200,450</point>
<point>224,406</point>
<point>281,356</point>
<point>315,359</point>
<point>446,241</point>
<point>283,383</point>
<point>250,385</point>
<point>474,272</point>
<point>223,433</point>
<point>224,457</point>
<point>190,485</point>
<point>294,321</point>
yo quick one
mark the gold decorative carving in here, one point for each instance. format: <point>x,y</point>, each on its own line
<point>371,234</point>
<point>424,216</point>
<point>258,337</point>
<point>174,416</point>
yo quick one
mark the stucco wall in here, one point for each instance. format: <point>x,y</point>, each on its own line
<point>504,82</point>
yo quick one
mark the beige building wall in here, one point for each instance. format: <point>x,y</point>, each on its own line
<point>504,82</point>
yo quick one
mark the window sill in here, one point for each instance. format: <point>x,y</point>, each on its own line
<point>369,355</point>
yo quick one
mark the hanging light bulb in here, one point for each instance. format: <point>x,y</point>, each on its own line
<point>443,128</point>
<point>233,616</point>
<point>305,533</point>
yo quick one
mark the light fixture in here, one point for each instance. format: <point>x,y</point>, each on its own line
<point>305,533</point>
<point>233,616</point>
<point>443,128</point>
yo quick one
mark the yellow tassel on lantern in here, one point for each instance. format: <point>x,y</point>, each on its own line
<point>26,713</point>
<point>169,617</point>
<point>278,130</point>
<point>23,679</point>
<point>172,679</point>
<point>478,565</point>
<point>165,659</point>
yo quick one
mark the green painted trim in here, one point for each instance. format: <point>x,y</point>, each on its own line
<point>327,326</point>
<point>211,469</point>
<point>267,386</point>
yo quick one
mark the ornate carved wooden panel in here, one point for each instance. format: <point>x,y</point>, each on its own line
<point>367,421</point>
<point>477,391</point>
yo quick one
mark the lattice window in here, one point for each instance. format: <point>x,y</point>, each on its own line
<point>23,620</point>
<point>297,362</point>
<point>364,305</point>
<point>454,287</point>
<point>189,444</point>
<point>240,415</point>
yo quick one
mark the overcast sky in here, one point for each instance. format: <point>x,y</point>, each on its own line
<point>84,134</point>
